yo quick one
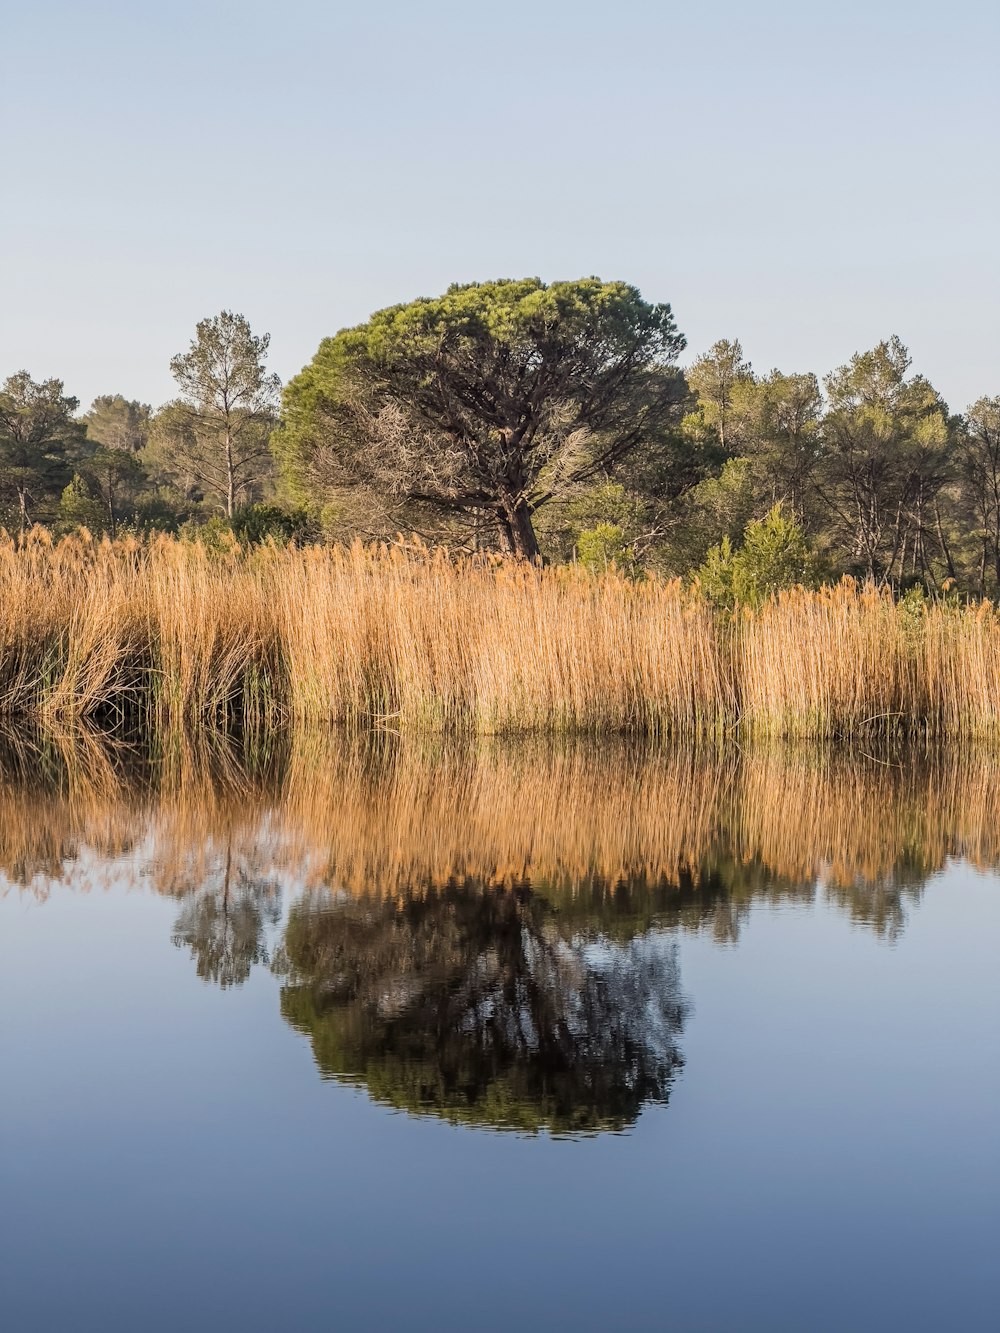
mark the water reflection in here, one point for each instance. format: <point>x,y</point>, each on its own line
<point>639,832</point>
<point>479,1003</point>
<point>700,835</point>
<point>487,932</point>
<point>224,924</point>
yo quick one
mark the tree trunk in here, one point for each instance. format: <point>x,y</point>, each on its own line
<point>945,549</point>
<point>230,479</point>
<point>982,571</point>
<point>22,500</point>
<point>520,531</point>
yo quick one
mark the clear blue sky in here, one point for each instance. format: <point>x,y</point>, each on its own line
<point>807,177</point>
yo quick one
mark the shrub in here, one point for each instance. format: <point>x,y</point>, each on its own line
<point>258,523</point>
<point>604,546</point>
<point>79,508</point>
<point>215,534</point>
<point>775,554</point>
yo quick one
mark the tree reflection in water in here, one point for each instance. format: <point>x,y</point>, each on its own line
<point>478,1003</point>
<point>224,925</point>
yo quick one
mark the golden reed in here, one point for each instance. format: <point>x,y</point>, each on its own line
<point>697,835</point>
<point>168,633</point>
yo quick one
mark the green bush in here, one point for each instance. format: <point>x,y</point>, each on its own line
<point>215,534</point>
<point>775,554</point>
<point>80,508</point>
<point>716,574</point>
<point>604,545</point>
<point>257,523</point>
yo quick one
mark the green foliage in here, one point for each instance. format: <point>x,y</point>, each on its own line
<point>913,604</point>
<point>721,506</point>
<point>716,574</point>
<point>40,441</point>
<point>604,502</point>
<point>253,525</point>
<point>215,534</point>
<point>775,554</point>
<point>783,443</point>
<point>156,511</point>
<point>118,423</point>
<point>561,524</point>
<point>80,508</point>
<point>887,456</point>
<point>726,392</point>
<point>213,441</point>
<point>257,523</point>
<point>979,493</point>
<point>604,545</point>
<point>116,477</point>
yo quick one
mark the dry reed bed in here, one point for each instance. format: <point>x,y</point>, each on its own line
<point>169,633</point>
<point>701,834</point>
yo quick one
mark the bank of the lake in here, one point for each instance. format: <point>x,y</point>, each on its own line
<point>171,633</point>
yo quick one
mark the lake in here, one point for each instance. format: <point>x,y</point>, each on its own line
<point>394,1034</point>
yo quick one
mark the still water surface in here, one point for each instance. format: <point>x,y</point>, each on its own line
<point>389,1036</point>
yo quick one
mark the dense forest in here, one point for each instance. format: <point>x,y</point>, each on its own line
<point>547,421</point>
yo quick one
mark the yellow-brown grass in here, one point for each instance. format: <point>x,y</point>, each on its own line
<point>170,633</point>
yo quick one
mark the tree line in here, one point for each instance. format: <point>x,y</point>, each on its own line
<point>122,467</point>
<point>543,420</point>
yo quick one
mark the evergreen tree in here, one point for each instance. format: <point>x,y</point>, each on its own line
<point>39,442</point>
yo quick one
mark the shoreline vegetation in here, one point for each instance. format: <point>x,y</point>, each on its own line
<point>167,634</point>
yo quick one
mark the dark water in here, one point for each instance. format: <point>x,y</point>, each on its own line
<point>470,1039</point>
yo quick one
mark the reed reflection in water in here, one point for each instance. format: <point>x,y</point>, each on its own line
<point>625,825</point>
<point>488,932</point>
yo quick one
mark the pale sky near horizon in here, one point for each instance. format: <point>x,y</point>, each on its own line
<point>809,178</point>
